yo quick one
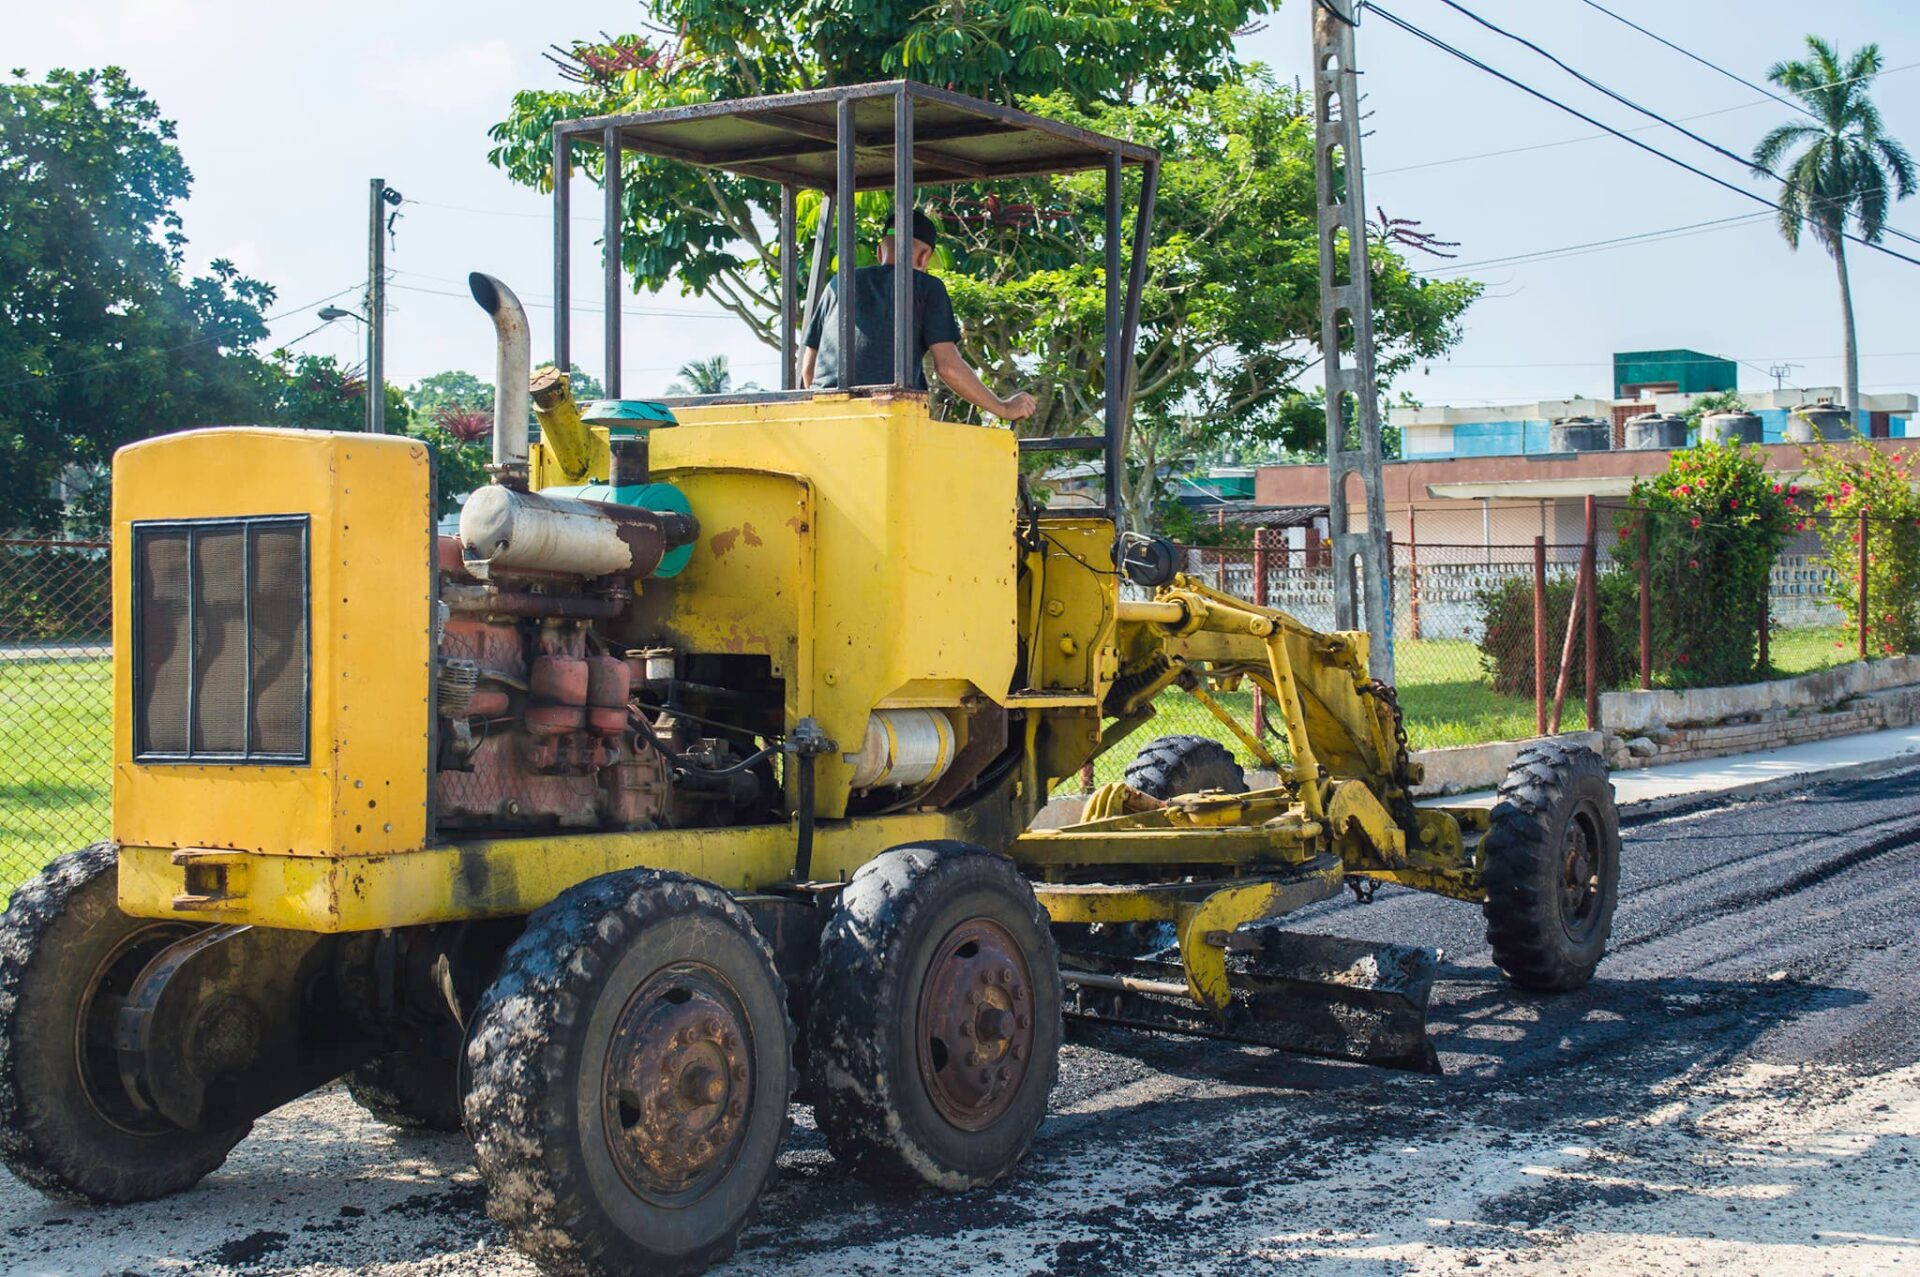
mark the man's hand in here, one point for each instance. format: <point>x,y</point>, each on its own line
<point>1018,408</point>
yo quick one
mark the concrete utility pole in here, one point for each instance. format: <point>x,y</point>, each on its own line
<point>1362,583</point>
<point>379,195</point>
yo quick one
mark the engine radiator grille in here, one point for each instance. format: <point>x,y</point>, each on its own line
<point>222,668</point>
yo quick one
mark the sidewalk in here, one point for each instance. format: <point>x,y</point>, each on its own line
<point>1653,789</point>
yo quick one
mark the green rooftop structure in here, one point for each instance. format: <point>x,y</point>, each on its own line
<point>1684,372</point>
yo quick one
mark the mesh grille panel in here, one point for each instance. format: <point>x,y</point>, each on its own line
<point>161,560</point>
<point>279,641</point>
<point>220,641</point>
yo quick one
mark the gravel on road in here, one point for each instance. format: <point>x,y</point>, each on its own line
<point>1738,1091</point>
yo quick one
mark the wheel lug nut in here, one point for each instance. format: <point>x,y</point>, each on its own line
<point>966,1030</point>
<point>1004,1073</point>
<point>1022,1021</point>
<point>986,1076</point>
<point>735,1109</point>
<point>1019,1052</point>
<point>739,1072</point>
<point>1006,975</point>
<point>973,1057</point>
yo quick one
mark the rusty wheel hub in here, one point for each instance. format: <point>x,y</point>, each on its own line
<point>1580,878</point>
<point>975,1024</point>
<point>678,1083</point>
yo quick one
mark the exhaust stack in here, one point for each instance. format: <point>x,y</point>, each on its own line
<point>513,366</point>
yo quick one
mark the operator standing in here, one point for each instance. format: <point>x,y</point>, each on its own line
<point>935,332</point>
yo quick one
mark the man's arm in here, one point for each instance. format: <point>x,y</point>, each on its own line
<point>963,381</point>
<point>807,356</point>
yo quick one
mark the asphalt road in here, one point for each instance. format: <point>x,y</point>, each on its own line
<point>1739,1090</point>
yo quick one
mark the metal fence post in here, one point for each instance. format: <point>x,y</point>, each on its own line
<point>1260,539</point>
<point>1766,656</point>
<point>1590,553</point>
<point>1413,574</point>
<point>1646,601</point>
<point>1540,636</point>
<point>1863,585</point>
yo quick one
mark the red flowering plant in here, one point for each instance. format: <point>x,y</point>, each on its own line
<point>1856,479</point>
<point>1715,522</point>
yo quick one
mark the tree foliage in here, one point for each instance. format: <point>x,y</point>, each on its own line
<point>106,339</point>
<point>1856,480</point>
<point>1848,167</point>
<point>1715,523</point>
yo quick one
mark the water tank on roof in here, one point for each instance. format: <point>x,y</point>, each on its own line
<point>1581,434</point>
<point>1730,427</point>
<point>1657,430</point>
<point>1825,420</point>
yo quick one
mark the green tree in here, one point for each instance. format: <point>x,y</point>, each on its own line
<point>106,340</point>
<point>1717,401</point>
<point>454,388</point>
<point>707,228</point>
<point>707,377</point>
<point>1230,319</point>
<point>1845,168</point>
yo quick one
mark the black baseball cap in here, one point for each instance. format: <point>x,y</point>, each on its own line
<point>924,229</point>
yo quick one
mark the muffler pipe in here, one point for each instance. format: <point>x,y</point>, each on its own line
<point>513,368</point>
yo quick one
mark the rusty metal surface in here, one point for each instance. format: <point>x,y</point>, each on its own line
<point>975,1024</point>
<point>677,1083</point>
<point>1308,994</point>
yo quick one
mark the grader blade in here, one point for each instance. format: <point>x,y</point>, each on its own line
<point>1325,996</point>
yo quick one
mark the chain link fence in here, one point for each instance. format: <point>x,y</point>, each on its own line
<point>1467,666</point>
<point>56,700</point>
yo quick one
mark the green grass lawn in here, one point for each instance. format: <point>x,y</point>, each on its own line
<point>1445,698</point>
<point>55,761</point>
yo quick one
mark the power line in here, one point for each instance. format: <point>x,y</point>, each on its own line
<point>1714,66</point>
<point>1651,114</point>
<point>1528,89</point>
<point>592,310</point>
<point>1601,245</point>
<point>173,350</point>
<point>1596,137</point>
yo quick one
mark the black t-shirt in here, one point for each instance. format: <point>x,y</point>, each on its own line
<point>873,328</point>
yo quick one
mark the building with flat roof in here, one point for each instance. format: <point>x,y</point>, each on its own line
<point>1525,430</point>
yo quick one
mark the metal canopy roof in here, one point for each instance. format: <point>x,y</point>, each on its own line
<point>791,138</point>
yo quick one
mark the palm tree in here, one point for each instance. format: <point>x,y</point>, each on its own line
<point>706,377</point>
<point>1845,171</point>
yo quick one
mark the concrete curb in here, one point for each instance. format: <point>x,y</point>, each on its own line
<point>1673,804</point>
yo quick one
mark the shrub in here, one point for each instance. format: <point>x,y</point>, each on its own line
<point>1715,523</point>
<point>1854,480</point>
<point>1506,642</point>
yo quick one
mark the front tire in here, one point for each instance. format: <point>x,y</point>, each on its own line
<point>68,959</point>
<point>628,1078</point>
<point>1551,867</point>
<point>935,1023</point>
<point>1173,765</point>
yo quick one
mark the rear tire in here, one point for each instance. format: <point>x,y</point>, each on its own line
<point>409,1091</point>
<point>935,1023</point>
<point>68,958</point>
<point>1551,867</point>
<point>1175,765</point>
<point>629,1073</point>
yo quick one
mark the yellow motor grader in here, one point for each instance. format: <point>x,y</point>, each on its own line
<point>698,773</point>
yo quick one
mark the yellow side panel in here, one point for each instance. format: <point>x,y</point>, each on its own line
<point>885,536</point>
<point>510,876</point>
<point>370,505</point>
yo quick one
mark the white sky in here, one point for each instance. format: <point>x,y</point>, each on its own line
<point>286,110</point>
